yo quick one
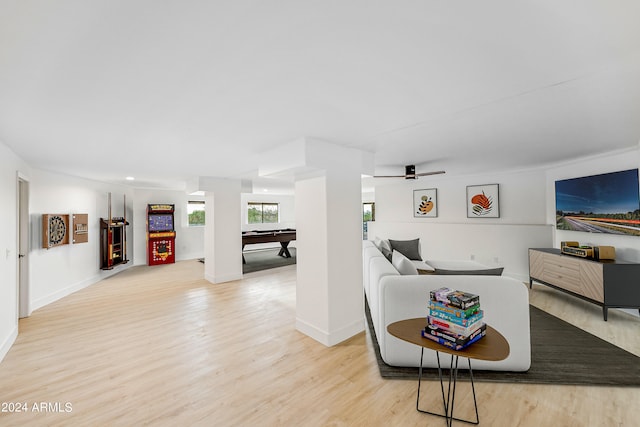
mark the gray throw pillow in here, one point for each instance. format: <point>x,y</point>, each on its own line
<point>484,272</point>
<point>408,248</point>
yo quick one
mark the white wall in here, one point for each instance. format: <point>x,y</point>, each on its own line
<point>10,165</point>
<point>189,240</point>
<point>61,270</point>
<point>451,235</point>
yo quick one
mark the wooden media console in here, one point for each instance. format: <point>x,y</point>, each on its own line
<point>607,283</point>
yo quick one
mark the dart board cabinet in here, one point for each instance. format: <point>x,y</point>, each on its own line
<point>55,230</point>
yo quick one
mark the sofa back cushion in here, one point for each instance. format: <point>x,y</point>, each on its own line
<point>384,247</point>
<point>403,264</point>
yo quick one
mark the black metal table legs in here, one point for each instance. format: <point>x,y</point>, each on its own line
<point>448,401</point>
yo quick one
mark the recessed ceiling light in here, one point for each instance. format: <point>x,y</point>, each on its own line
<point>129,178</point>
<point>265,190</point>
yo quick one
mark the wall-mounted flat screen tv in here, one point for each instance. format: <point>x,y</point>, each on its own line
<point>606,203</point>
<point>161,222</point>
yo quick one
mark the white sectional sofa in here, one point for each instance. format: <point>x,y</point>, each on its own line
<point>392,297</point>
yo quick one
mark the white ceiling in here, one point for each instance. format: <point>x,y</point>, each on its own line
<point>169,90</point>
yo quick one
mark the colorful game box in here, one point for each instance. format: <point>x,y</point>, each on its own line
<point>454,298</point>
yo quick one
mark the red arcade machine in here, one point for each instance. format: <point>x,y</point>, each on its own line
<point>161,236</point>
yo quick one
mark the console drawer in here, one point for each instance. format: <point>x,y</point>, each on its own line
<point>569,282</point>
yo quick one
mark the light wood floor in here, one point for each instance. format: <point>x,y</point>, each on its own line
<point>161,346</point>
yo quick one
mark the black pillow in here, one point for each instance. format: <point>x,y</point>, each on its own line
<point>484,272</point>
<point>408,248</point>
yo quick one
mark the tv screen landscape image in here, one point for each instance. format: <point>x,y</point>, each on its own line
<point>606,203</point>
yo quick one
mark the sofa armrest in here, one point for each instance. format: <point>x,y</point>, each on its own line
<point>505,302</point>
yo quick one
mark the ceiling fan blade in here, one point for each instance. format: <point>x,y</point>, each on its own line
<point>430,173</point>
<point>388,176</point>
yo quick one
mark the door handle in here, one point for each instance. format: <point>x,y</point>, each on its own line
<point>21,255</point>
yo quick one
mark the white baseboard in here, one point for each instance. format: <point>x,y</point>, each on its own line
<point>8,342</point>
<point>222,279</point>
<point>48,299</point>
<point>333,338</point>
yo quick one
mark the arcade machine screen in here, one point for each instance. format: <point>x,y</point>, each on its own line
<point>160,223</point>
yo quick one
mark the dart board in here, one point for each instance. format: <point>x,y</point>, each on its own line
<point>55,230</point>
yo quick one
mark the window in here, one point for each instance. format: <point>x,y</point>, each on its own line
<point>368,214</point>
<point>195,210</point>
<point>258,213</point>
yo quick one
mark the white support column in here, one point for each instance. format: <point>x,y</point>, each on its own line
<point>329,297</point>
<point>222,239</point>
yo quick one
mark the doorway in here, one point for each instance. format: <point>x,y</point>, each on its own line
<point>24,309</point>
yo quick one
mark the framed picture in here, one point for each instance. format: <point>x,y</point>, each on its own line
<point>483,201</point>
<point>425,203</point>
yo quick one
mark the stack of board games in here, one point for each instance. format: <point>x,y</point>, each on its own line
<point>455,318</point>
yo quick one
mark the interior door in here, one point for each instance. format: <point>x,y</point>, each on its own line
<point>24,309</point>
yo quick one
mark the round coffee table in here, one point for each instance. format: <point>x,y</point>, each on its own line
<point>492,347</point>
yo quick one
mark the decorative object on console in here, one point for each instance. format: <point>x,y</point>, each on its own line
<point>605,203</point>
<point>80,228</point>
<point>55,230</point>
<point>483,201</point>
<point>593,252</point>
<point>425,203</point>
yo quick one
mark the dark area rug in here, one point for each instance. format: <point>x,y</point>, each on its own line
<point>266,258</point>
<point>560,354</point>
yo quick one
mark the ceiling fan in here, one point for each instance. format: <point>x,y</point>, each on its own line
<point>409,173</point>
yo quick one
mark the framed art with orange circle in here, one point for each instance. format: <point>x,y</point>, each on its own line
<point>425,203</point>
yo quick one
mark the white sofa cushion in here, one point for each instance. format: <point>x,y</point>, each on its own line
<point>383,246</point>
<point>403,264</point>
<point>423,267</point>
